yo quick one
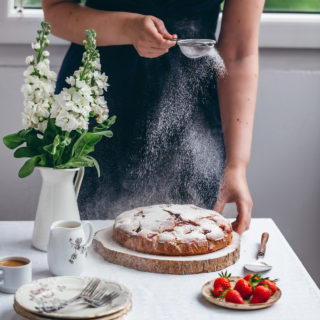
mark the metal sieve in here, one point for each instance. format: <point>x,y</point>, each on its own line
<point>195,48</point>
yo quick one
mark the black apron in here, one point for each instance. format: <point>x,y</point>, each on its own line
<point>168,143</point>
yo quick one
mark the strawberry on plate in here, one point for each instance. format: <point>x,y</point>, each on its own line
<point>244,288</point>
<point>253,278</point>
<point>221,284</point>
<point>248,276</point>
<point>218,291</point>
<point>261,294</point>
<point>270,284</point>
<point>233,296</point>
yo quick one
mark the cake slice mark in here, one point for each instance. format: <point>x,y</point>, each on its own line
<point>137,230</point>
<point>179,219</point>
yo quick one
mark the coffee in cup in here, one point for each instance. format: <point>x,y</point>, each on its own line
<point>12,263</point>
<point>14,272</point>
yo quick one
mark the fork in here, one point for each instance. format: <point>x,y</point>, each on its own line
<point>103,300</point>
<point>86,293</point>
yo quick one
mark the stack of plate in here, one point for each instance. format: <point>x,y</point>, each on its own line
<point>54,290</point>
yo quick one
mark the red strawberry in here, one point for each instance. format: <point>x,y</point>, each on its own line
<point>234,296</point>
<point>248,276</point>
<point>218,291</point>
<point>261,294</point>
<point>244,288</point>
<point>270,284</point>
<point>223,281</point>
<point>253,278</point>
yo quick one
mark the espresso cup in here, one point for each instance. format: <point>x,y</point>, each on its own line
<point>14,272</point>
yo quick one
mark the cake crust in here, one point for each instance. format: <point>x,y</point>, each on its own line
<point>172,230</point>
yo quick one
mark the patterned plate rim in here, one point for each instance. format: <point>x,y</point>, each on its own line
<point>57,316</point>
<point>122,313</point>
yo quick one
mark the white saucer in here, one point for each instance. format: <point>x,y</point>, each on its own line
<point>51,291</point>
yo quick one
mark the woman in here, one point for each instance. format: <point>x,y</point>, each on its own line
<point>179,137</point>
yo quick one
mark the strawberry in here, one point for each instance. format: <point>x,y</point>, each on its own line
<point>218,291</point>
<point>270,284</point>
<point>244,288</point>
<point>253,278</point>
<point>233,296</point>
<point>223,281</point>
<point>261,294</point>
<point>248,276</point>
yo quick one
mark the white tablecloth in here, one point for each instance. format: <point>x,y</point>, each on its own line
<point>170,297</point>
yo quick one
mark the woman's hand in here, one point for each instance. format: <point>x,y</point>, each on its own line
<point>234,188</point>
<point>149,36</point>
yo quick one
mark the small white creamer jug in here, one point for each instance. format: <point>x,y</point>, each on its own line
<point>67,249</point>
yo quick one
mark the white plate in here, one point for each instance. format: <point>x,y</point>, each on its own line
<point>54,290</point>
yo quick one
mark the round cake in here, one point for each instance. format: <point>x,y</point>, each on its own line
<point>172,230</point>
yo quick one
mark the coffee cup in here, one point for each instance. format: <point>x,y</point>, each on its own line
<point>14,272</point>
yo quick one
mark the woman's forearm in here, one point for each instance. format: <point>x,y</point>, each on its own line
<point>69,20</point>
<point>237,98</point>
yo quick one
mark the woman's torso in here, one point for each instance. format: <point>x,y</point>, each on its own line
<point>168,143</point>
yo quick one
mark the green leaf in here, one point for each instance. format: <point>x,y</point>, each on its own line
<point>106,133</point>
<point>83,161</point>
<point>105,125</point>
<point>25,152</point>
<point>24,132</point>
<point>76,145</point>
<point>65,141</point>
<point>77,162</point>
<point>32,139</point>
<point>96,164</point>
<point>43,161</point>
<point>85,144</point>
<point>51,131</point>
<point>13,140</point>
<point>29,166</point>
<point>111,121</point>
<point>52,148</point>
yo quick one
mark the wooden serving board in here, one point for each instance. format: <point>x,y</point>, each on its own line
<point>113,252</point>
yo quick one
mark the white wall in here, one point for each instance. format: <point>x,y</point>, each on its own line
<point>284,173</point>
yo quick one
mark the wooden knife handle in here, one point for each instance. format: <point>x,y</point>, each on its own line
<point>264,240</point>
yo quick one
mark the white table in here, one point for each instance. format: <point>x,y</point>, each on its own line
<point>163,296</point>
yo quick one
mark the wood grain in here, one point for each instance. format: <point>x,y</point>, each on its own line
<point>115,253</point>
<point>207,292</point>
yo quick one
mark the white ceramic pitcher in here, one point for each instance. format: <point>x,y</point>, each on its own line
<point>57,201</point>
<point>67,249</point>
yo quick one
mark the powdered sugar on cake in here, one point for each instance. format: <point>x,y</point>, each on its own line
<point>172,223</point>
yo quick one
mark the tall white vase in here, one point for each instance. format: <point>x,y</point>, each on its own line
<point>57,201</point>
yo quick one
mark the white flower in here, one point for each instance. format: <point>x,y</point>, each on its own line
<point>42,126</point>
<point>38,91</point>
<point>71,107</point>
<point>80,83</point>
<point>99,105</point>
<point>46,53</point>
<point>71,80</point>
<point>67,121</point>
<point>97,64</point>
<point>43,68</point>
<point>35,46</point>
<point>28,71</point>
<point>29,59</point>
